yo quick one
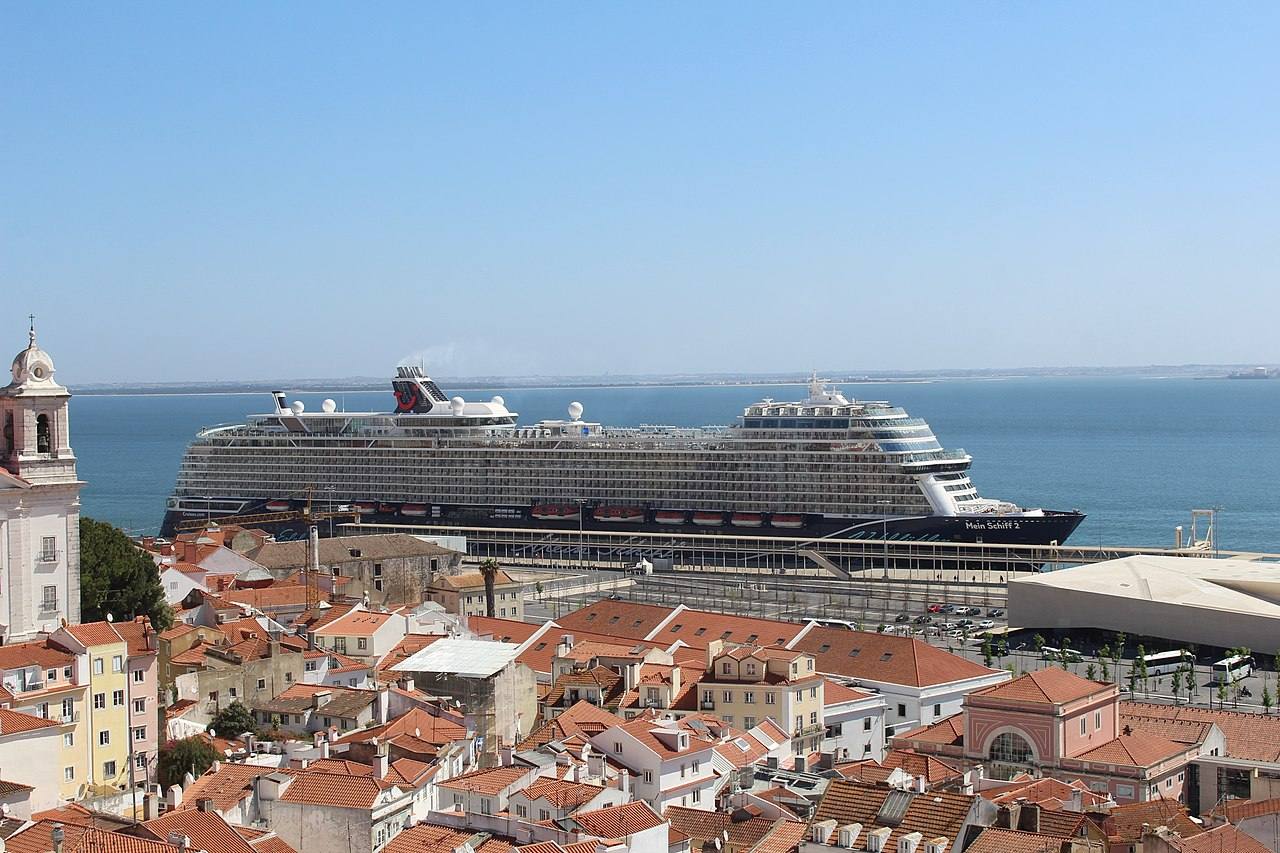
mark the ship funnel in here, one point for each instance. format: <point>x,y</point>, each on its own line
<point>282,405</point>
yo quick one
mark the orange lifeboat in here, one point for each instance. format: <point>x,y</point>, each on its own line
<point>619,514</point>
<point>708,519</point>
<point>670,516</point>
<point>787,520</point>
<point>746,519</point>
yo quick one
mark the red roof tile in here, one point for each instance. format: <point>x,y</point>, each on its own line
<point>491,780</point>
<point>207,830</point>
<point>615,823</point>
<point>1049,686</point>
<point>996,840</point>
<point>1137,749</point>
<point>1252,737</point>
<point>38,838</point>
<point>868,656</point>
<point>1124,823</point>
<point>14,722</point>
<point>1221,839</point>
<point>94,633</point>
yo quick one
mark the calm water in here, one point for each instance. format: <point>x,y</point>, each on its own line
<point>1135,454</point>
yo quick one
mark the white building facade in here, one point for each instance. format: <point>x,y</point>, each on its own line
<point>39,501</point>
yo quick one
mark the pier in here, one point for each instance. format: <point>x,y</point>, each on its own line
<point>778,555</point>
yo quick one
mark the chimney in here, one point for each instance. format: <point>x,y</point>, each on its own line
<point>320,697</point>
<point>919,784</point>
<point>58,835</point>
<point>847,835</point>
<point>204,804</point>
<point>506,755</point>
<point>324,747</point>
<point>406,684</point>
<point>381,761</point>
<point>595,765</point>
<point>577,773</point>
<point>175,797</point>
<point>1076,804</point>
<point>177,839</point>
<point>149,806</point>
<point>820,832</point>
<point>624,783</point>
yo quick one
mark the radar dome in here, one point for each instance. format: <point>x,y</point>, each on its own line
<point>575,410</point>
<point>498,401</point>
<point>298,407</point>
<point>456,405</point>
<point>329,407</point>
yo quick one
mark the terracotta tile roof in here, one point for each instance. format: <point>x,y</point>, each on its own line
<point>503,630</point>
<point>1049,686</point>
<point>334,790</point>
<point>472,580</point>
<point>698,628</point>
<point>562,793</point>
<point>15,722</point>
<point>432,838</point>
<point>227,786</point>
<point>207,830</point>
<point>1252,737</point>
<point>345,702</point>
<point>615,823</point>
<point>94,633</point>
<point>40,653</point>
<point>1043,790</point>
<point>949,731</point>
<point>646,728</point>
<point>7,787</point>
<point>356,624</point>
<point>868,656</point>
<point>937,813</point>
<point>538,653</point>
<point>744,833</point>
<point>38,838</point>
<point>835,693</point>
<point>1221,839</point>
<point>1055,820</point>
<point>276,595</point>
<point>1124,823</point>
<point>491,780</point>
<point>581,719</point>
<point>417,723</point>
<point>742,749</point>
<point>582,847</point>
<point>67,813</point>
<point>140,637</point>
<point>934,770</point>
<point>1238,810</point>
<point>996,840</point>
<point>1137,749</point>
<point>617,618</point>
<point>176,631</point>
<point>601,678</point>
<point>269,842</point>
<point>336,550</point>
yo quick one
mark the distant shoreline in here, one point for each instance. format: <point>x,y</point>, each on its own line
<point>362,385</point>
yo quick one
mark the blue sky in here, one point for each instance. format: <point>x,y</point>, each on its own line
<point>308,190</point>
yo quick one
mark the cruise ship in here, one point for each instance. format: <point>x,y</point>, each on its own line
<point>825,466</point>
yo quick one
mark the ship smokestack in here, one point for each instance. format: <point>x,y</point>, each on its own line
<point>282,405</point>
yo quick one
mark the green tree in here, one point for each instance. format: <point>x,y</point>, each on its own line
<point>986,652</point>
<point>1267,701</point>
<point>233,721</point>
<point>1091,672</point>
<point>192,755</point>
<point>1133,681</point>
<point>1140,664</point>
<point>1222,694</point>
<point>1106,669</point>
<point>1064,657</point>
<point>1175,684</point>
<point>117,577</point>
<point>1038,642</point>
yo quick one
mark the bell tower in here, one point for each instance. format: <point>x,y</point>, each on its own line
<point>39,500</point>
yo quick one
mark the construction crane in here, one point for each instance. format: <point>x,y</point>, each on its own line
<point>255,519</point>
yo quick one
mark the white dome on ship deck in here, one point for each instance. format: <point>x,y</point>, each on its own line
<point>575,411</point>
<point>298,407</point>
<point>457,404</point>
<point>328,407</point>
<point>498,401</point>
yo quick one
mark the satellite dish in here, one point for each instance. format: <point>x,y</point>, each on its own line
<point>456,405</point>
<point>298,407</point>
<point>575,410</point>
<point>328,407</point>
<point>498,401</point>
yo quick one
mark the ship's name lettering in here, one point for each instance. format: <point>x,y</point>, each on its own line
<point>993,525</point>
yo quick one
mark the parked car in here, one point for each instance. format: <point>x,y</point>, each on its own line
<point>935,608</point>
<point>902,617</point>
<point>995,612</point>
<point>923,619</point>
<point>969,611</point>
<point>948,608</point>
<point>964,623</point>
<point>947,626</point>
<point>986,623</point>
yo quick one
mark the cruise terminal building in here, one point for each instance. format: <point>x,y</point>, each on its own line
<point>1223,603</point>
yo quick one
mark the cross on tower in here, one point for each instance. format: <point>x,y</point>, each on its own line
<point>31,332</point>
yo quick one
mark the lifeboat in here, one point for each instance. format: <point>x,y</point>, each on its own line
<point>787,520</point>
<point>669,516</point>
<point>746,519</point>
<point>555,512</point>
<point>413,510</point>
<point>388,508</point>
<point>615,514</point>
<point>365,507</point>
<point>279,506</point>
<point>708,519</point>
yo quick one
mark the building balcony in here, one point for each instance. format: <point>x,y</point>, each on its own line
<point>707,705</point>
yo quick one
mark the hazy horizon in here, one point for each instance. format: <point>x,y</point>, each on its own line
<point>322,190</point>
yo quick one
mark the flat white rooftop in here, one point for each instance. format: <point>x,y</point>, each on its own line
<point>467,658</point>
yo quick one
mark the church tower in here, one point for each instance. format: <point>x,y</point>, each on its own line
<point>39,501</point>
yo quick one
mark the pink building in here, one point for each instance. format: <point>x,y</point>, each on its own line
<point>144,692</point>
<point>1055,723</point>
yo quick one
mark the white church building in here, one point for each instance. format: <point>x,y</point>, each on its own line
<point>39,502</point>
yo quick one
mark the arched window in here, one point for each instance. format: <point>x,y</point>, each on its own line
<point>43,444</point>
<point>1010,747</point>
<point>8,434</point>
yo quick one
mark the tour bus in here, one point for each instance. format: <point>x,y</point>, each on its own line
<point>1232,669</point>
<point>1167,663</point>
<point>1050,653</point>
